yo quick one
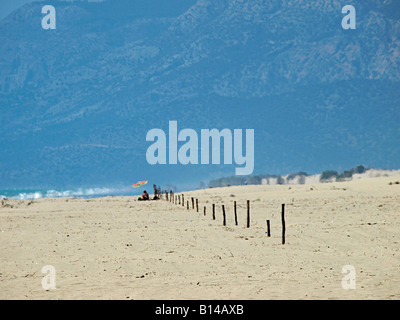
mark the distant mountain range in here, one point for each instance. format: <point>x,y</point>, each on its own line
<point>76,102</point>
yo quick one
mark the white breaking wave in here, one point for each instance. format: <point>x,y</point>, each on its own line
<point>28,196</point>
<point>81,192</point>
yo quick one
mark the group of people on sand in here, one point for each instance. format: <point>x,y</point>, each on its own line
<point>145,196</point>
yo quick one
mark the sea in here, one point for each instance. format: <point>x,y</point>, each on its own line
<point>32,194</point>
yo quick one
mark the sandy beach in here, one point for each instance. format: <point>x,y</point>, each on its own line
<point>121,248</point>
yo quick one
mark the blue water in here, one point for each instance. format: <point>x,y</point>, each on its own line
<point>31,194</point>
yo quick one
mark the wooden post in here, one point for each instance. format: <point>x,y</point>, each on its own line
<point>179,199</point>
<point>166,195</point>
<point>187,204</point>
<point>204,210</point>
<point>234,209</point>
<point>183,201</point>
<point>213,211</point>
<point>223,214</point>
<point>283,224</point>
<point>175,198</point>
<point>268,229</point>
<point>248,213</point>
<point>192,203</point>
<point>197,205</point>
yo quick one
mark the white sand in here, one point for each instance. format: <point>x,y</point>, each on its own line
<point>120,248</point>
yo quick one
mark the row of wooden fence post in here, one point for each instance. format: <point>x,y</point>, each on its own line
<point>177,200</point>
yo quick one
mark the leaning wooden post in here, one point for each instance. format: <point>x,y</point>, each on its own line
<point>213,211</point>
<point>197,205</point>
<point>268,229</point>
<point>248,213</point>
<point>192,203</point>
<point>204,210</point>
<point>283,224</point>
<point>223,214</point>
<point>234,209</point>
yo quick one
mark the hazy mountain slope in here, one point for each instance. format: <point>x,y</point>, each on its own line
<point>76,102</point>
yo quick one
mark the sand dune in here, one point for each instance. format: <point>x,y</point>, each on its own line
<point>120,248</point>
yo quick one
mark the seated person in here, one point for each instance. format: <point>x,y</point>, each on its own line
<point>144,196</point>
